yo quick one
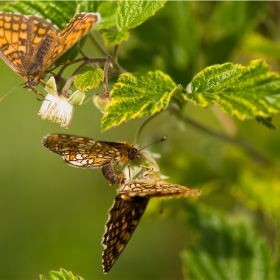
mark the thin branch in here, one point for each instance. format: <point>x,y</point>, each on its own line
<point>71,79</point>
<point>97,44</point>
<point>138,133</point>
<point>254,154</point>
<point>115,63</point>
<point>105,84</point>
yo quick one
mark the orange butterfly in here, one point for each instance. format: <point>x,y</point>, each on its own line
<point>30,44</point>
<point>85,152</point>
<point>128,208</point>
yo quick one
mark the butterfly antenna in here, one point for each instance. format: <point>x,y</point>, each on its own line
<point>11,91</point>
<point>162,139</point>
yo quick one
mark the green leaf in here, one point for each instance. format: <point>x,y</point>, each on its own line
<point>88,78</point>
<point>136,95</point>
<point>225,250</point>
<point>59,13</point>
<point>257,191</point>
<point>265,121</point>
<point>133,13</point>
<point>184,33</point>
<point>114,38</point>
<point>246,92</point>
<point>257,44</point>
<point>62,274</point>
<point>223,37</point>
<point>108,12</point>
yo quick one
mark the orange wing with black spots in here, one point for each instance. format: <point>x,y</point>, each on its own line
<point>124,216</point>
<point>85,152</point>
<point>80,25</point>
<point>29,45</point>
<point>20,36</point>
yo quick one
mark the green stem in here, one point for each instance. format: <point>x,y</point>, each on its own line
<point>254,154</point>
<point>97,44</point>
<point>138,133</point>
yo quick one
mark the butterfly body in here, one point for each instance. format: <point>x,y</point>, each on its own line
<point>111,176</point>
<point>30,44</point>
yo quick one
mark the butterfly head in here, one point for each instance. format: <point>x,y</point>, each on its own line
<point>31,84</point>
<point>134,154</point>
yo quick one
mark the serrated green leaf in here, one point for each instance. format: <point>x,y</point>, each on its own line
<point>225,250</point>
<point>62,274</point>
<point>88,78</point>
<point>59,13</point>
<point>246,92</point>
<point>114,38</point>
<point>133,13</point>
<point>136,95</point>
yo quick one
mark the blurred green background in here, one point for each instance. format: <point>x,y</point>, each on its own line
<point>53,215</point>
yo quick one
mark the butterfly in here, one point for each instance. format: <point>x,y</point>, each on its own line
<point>85,152</point>
<point>150,186</point>
<point>30,44</point>
<point>128,208</point>
<point>124,217</point>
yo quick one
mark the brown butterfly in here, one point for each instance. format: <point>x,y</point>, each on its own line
<point>30,44</point>
<point>150,186</point>
<point>85,152</point>
<point>124,217</point>
<point>129,207</point>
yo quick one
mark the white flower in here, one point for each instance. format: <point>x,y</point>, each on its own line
<point>58,108</point>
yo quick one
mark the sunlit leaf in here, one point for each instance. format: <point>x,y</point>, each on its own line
<point>88,78</point>
<point>246,92</point>
<point>133,13</point>
<point>62,274</point>
<point>136,95</point>
<point>114,38</point>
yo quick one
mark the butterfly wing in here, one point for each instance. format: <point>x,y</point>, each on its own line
<point>72,33</point>
<point>20,37</point>
<point>154,187</point>
<point>124,217</point>
<point>81,151</point>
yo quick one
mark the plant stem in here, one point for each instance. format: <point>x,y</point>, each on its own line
<point>97,44</point>
<point>138,133</point>
<point>254,154</point>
